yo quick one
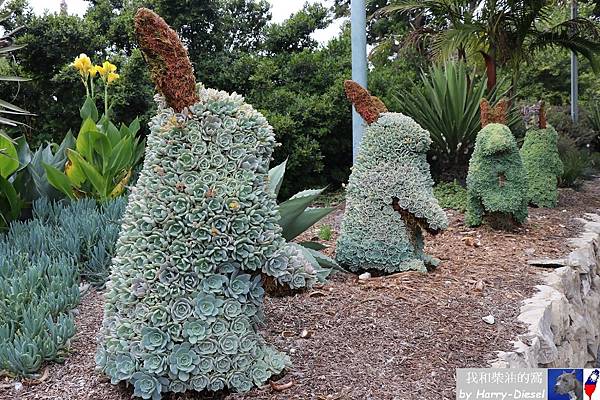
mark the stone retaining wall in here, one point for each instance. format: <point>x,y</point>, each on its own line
<point>563,317</point>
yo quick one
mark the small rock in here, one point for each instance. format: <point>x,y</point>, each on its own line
<point>18,386</point>
<point>489,319</point>
<point>293,351</point>
<point>365,276</point>
<point>83,288</point>
<point>305,334</point>
<point>479,286</point>
<point>472,242</point>
<point>529,251</point>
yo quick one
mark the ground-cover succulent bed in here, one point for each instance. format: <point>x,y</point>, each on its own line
<point>380,338</point>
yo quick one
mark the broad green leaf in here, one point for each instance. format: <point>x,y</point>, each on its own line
<point>276,177</point>
<point>85,142</point>
<point>290,209</point>
<point>323,260</point>
<point>23,152</point>
<point>101,146</point>
<point>303,221</point>
<point>59,180</point>
<point>134,127</point>
<point>112,132</point>
<point>67,143</point>
<point>89,110</point>
<point>15,203</point>
<point>308,193</point>
<point>96,179</point>
<point>139,151</point>
<point>121,156</point>
<point>72,169</point>
<point>313,245</point>
<point>9,159</point>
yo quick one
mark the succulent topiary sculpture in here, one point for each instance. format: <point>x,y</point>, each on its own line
<point>541,160</point>
<point>496,182</point>
<point>200,230</point>
<point>389,196</point>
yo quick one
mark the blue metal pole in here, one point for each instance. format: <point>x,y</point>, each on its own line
<point>574,74</point>
<point>359,64</point>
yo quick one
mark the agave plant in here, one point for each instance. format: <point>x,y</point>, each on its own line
<point>32,183</point>
<point>297,217</point>
<point>447,105</point>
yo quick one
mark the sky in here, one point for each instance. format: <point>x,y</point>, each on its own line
<point>281,9</point>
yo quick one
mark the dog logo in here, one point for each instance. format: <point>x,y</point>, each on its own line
<point>565,384</point>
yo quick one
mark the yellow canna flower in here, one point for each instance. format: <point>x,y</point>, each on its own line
<point>112,76</point>
<point>94,70</point>
<point>83,64</point>
<point>106,68</point>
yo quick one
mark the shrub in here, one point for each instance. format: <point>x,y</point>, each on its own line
<point>40,262</point>
<point>543,166</point>
<point>576,163</point>
<point>451,195</point>
<point>185,293</point>
<point>389,196</point>
<point>581,133</point>
<point>595,161</point>
<point>496,183</point>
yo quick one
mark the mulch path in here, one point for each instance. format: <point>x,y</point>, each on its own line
<point>398,337</point>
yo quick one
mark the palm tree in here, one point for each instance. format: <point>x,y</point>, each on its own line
<point>505,33</point>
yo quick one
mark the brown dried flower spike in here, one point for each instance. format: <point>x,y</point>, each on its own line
<point>170,66</point>
<point>369,107</point>
<point>497,114</point>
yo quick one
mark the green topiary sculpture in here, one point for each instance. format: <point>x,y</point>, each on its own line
<point>541,160</point>
<point>496,182</point>
<point>200,230</point>
<point>389,198</point>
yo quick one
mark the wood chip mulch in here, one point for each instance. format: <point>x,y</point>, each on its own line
<point>398,337</point>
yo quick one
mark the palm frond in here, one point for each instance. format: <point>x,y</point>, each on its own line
<point>469,37</point>
<point>579,35</point>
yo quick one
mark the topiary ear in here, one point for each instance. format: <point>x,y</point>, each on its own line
<point>170,66</point>
<point>369,107</point>
<point>497,114</point>
<point>542,121</point>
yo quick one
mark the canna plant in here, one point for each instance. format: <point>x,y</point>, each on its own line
<point>104,157</point>
<point>14,157</point>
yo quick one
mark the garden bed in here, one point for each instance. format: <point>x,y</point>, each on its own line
<point>396,337</point>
